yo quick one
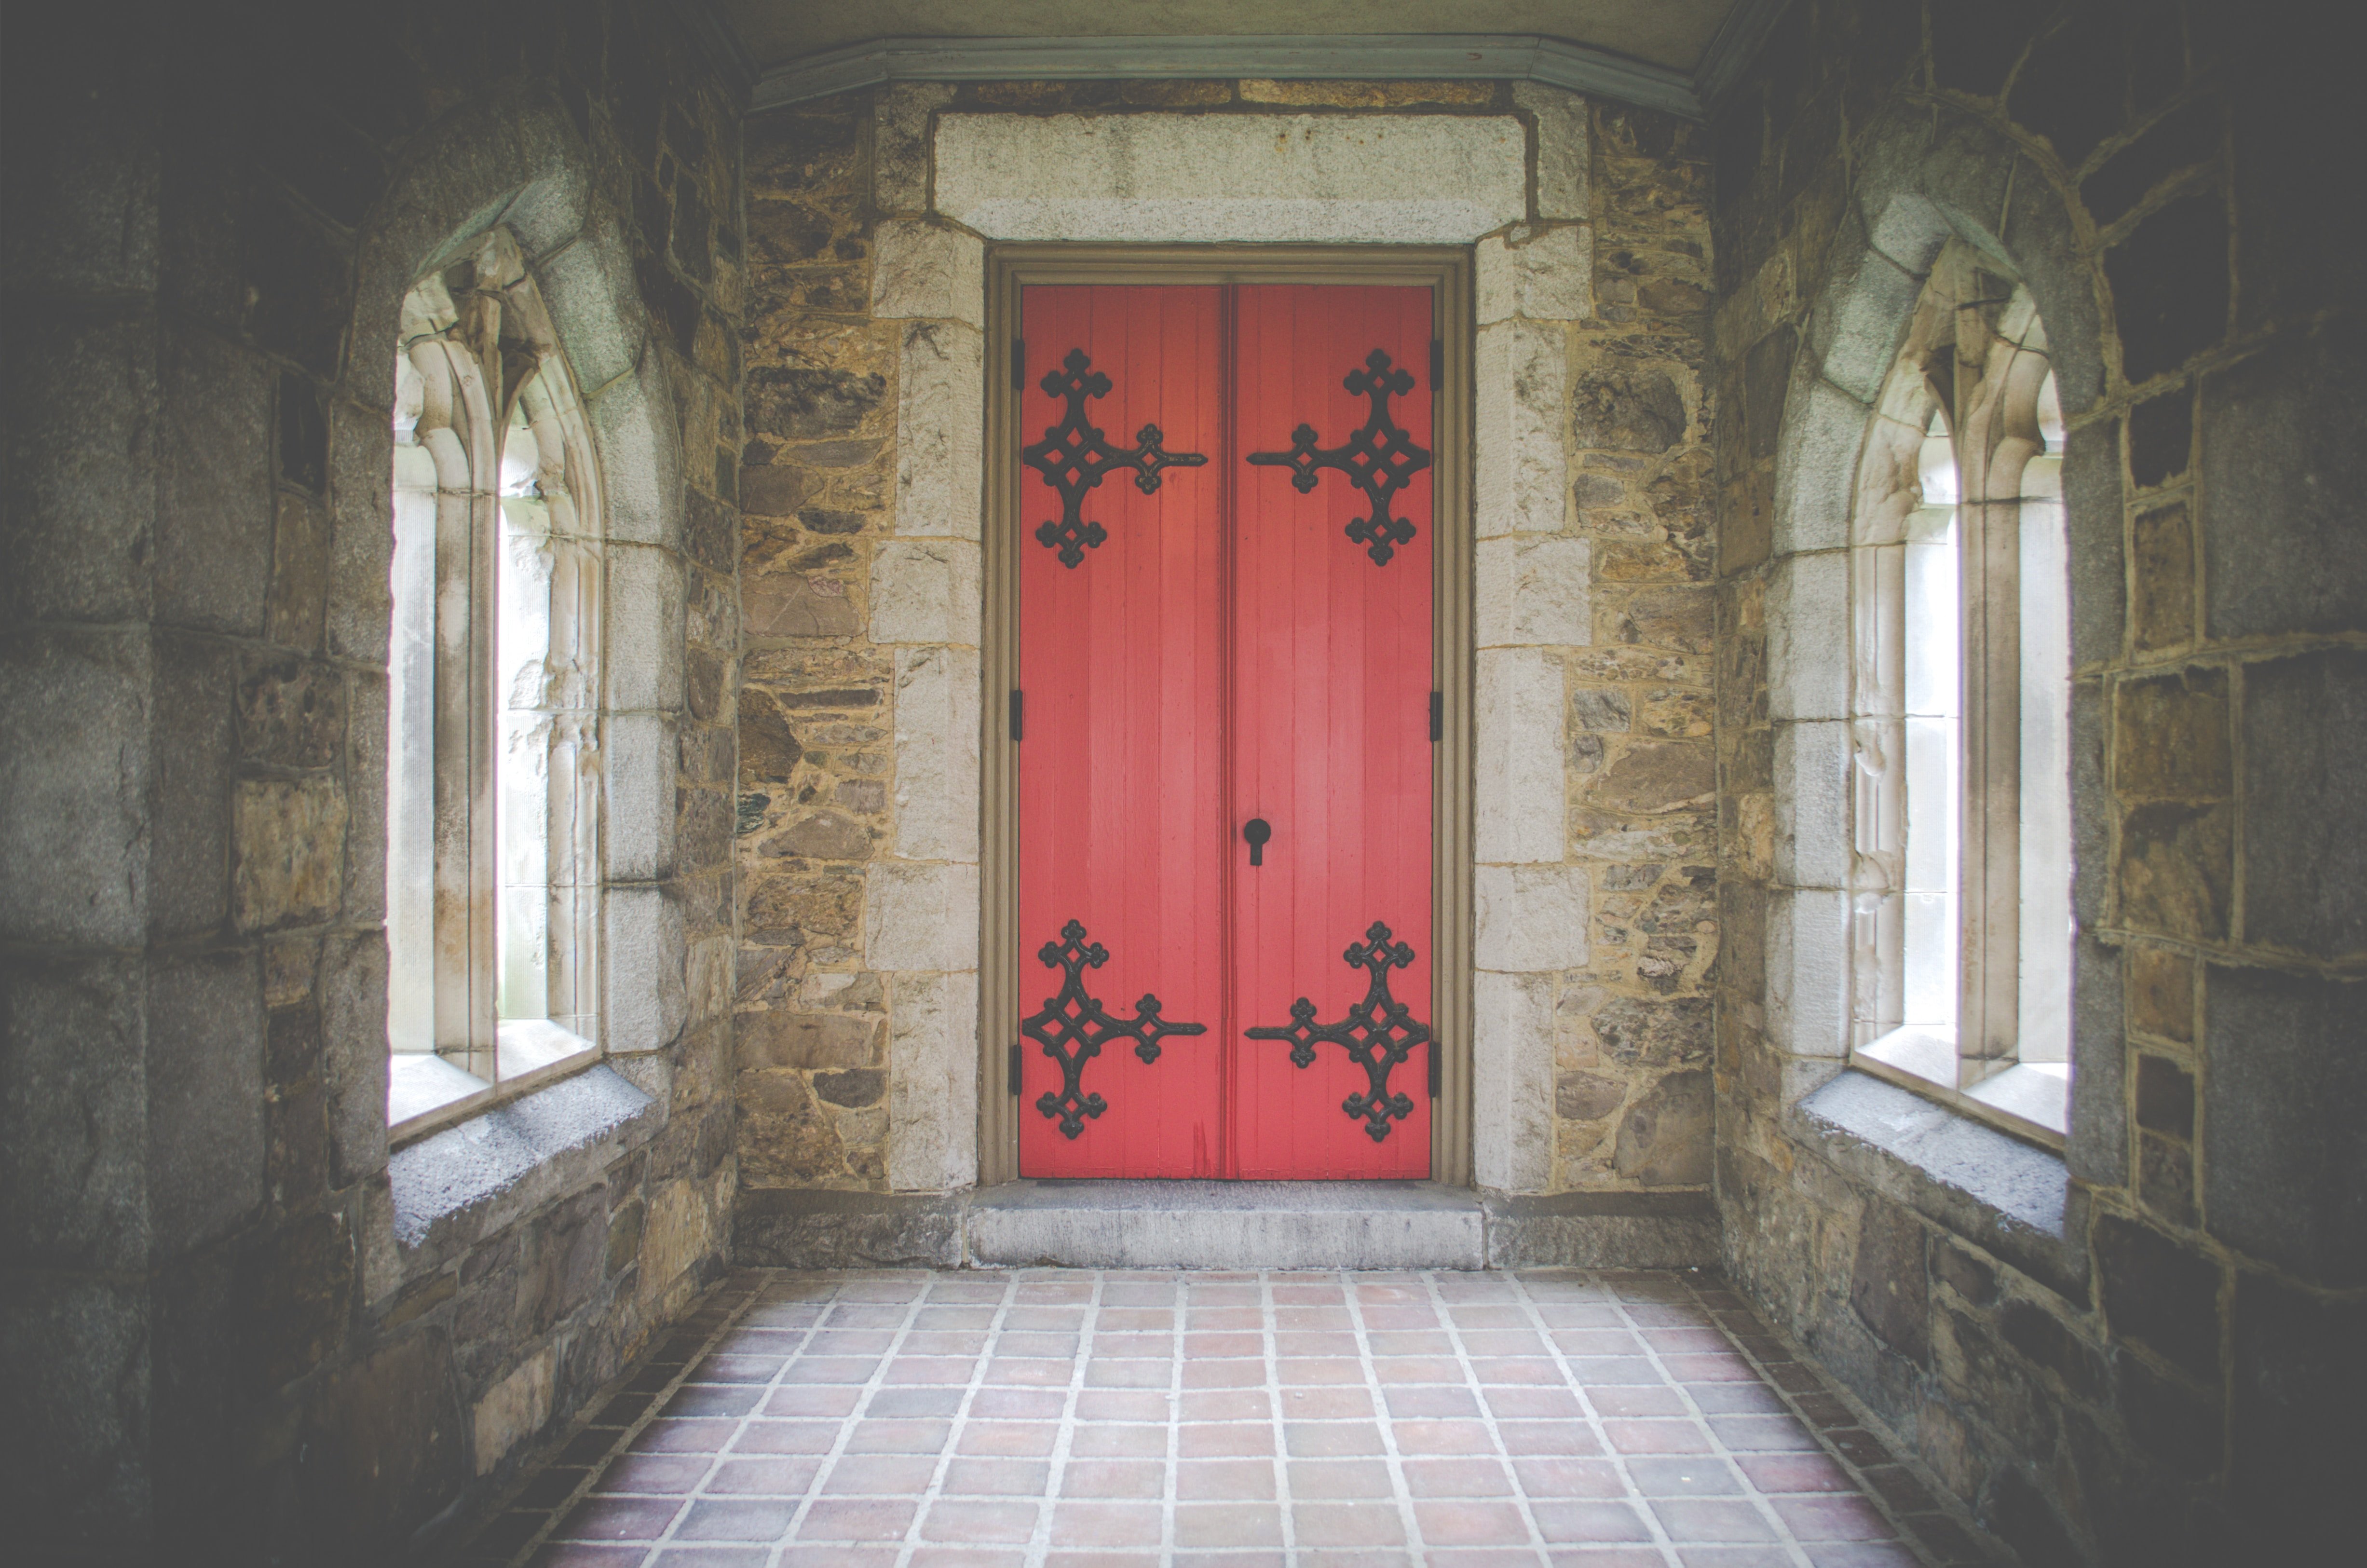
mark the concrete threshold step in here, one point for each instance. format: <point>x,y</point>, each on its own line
<point>1224,1224</point>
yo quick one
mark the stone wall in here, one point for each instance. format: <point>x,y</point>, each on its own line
<point>2143,1351</point>
<point>859,709</point>
<point>234,1330</point>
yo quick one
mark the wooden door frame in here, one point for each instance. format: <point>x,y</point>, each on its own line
<point>1444,269</point>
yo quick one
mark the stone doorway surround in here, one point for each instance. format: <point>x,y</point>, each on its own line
<point>1513,185</point>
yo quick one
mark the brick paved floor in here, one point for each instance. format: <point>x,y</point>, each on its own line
<point>1073,1418</point>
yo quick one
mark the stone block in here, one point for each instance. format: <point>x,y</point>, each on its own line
<point>2283,444</point>
<point>73,841</point>
<point>778,1228</point>
<point>1565,150</point>
<point>899,142</point>
<point>1529,919</point>
<point>389,1435</point>
<point>2161,994</point>
<point>2304,793</point>
<point>361,532</point>
<point>1652,777</point>
<point>1807,966</point>
<point>192,752</point>
<point>2299,1363</point>
<point>353,1053</point>
<point>2284,1129</point>
<point>940,424</point>
<point>927,591</point>
<point>920,916</point>
<point>1533,592</point>
<point>599,318</point>
<point>214,506</point>
<point>1807,637</point>
<point>937,752</point>
<point>1813,767</point>
<point>205,1135</point>
<point>74,1122</point>
<point>1520,794</point>
<point>1520,385</point>
<point>645,654</point>
<point>933,1082</point>
<point>61,1337</point>
<point>2092,517</point>
<point>2159,1293</point>
<point>2162,609</point>
<point>78,435</point>
<point>287,852</point>
<point>1540,274</point>
<point>2170,737</point>
<point>294,1295</point>
<point>776,1038</point>
<point>1891,1279</point>
<point>637,771</point>
<point>1817,467</point>
<point>645,964</point>
<point>1621,407</point>
<point>2176,871</point>
<point>2097,1151</point>
<point>1665,1138</point>
<point>1412,179</point>
<point>1660,1031</point>
<point>1853,333</point>
<point>918,269</point>
<point>2169,285</point>
<point>514,1409</point>
<point>1513,1081</point>
<point>635,430</point>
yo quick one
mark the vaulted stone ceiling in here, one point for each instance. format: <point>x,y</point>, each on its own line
<point>1671,33</point>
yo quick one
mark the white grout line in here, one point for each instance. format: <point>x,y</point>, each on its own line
<point>848,1422</point>
<point>1593,1416</point>
<point>1390,1454</point>
<point>1269,1351</point>
<point>1168,1482</point>
<point>1039,1541</point>
<point>935,1488</point>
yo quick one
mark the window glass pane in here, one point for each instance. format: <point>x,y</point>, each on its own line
<point>521,760</point>
<point>2043,1014</point>
<point>411,731</point>
<point>1933,668</point>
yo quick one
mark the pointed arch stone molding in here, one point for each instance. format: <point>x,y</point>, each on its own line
<point>1922,182</point>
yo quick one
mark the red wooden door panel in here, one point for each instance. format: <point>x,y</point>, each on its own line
<point>1121,769</point>
<point>1330,715</point>
<point>1217,649</point>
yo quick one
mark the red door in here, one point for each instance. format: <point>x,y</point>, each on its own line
<point>1225,756</point>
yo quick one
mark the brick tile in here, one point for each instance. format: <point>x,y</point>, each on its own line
<point>1116,1404</point>
<point>1419,1370</point>
<point>1441,1438</point>
<point>1329,1480</point>
<point>1210,1480</point>
<point>1035,1347</point>
<point>1712,1518</point>
<point>1464,1522</point>
<point>1227,1405</point>
<point>1224,1524</point>
<point>1410,1341</point>
<point>663,1474</point>
<point>1661,1401</point>
<point>785,1437</point>
<point>1702,1477</point>
<point>1534,1404</point>
<point>1770,1556</point>
<point>832,1403</point>
<point>959,1344</point>
<point>862,1519</point>
<point>979,1524</point>
<point>830,1369</point>
<point>1327,1440</point>
<point>994,1477</point>
<point>1030,1439</point>
<point>1726,1369</point>
<point>1224,1440</point>
<point>1823,1411</point>
<point>577,1555</point>
<point>1336,1369</point>
<point>907,1403</point>
<point>1897,1486</point>
<point>1593,1371</point>
<point>1113,1440</point>
<point>764,1478</point>
<point>1546,1437</point>
<point>1007,1372</point>
<point>1589,1521</point>
<point>1657,1436</point>
<point>1502,1343</point>
<point>833,1341</point>
<point>1016,1405</point>
<point>1868,1554</point>
<point>1222,1347</point>
<point>1598,1342</point>
<point>1300,1319</point>
<point>706,1555</point>
<point>736,1521</point>
<point>1480,1557</point>
<point>1534,1370</point>
<point>878,1475</point>
<point>1833,1518</point>
<point>706,1436</point>
<point>1457,1478</point>
<point>899,1437</point>
<point>1794,1472</point>
<point>1772,1434</point>
<point>1231,1374</point>
<point>1737,1399</point>
<point>1412,1402</point>
<point>1568,1478</point>
<point>740,1368</point>
<point>1344,1524</point>
<point>1225,1320</point>
<point>1102,1374</point>
<point>1105,1524</point>
<point>1114,1478</point>
<point>1327,1404</point>
<point>1470,1317</point>
<point>1313,1344</point>
<point>1120,1319</point>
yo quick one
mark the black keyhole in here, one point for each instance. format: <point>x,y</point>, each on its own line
<point>1257,831</point>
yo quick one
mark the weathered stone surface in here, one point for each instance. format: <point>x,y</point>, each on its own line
<point>2284,1129</point>
<point>80,446</point>
<point>73,1120</point>
<point>926,591</point>
<point>775,1037</point>
<point>806,908</point>
<point>1565,153</point>
<point>213,502</point>
<point>1533,592</point>
<point>1679,618</point>
<point>1664,1140</point>
<point>769,750</point>
<point>1542,274</point>
<point>2159,1293</point>
<point>2176,870</point>
<point>1529,919</point>
<point>825,835</point>
<point>288,844</point>
<point>2170,737</point>
<point>2169,285</point>
<point>937,752</point>
<point>2298,1360</point>
<point>387,1431</point>
<point>899,142</point>
<point>1661,1032</point>
<point>933,1085</point>
<point>71,843</point>
<point>787,605</point>
<point>1889,1282</point>
<point>919,269</point>
<point>1521,786</point>
<point>2162,605</point>
<point>1587,1096</point>
<point>2165,1097</point>
<point>2304,792</point>
<point>1415,180</point>
<point>1808,947</point>
<point>514,1409</point>
<point>1513,1081</point>
<point>786,1139</point>
<point>1627,411</point>
<point>1807,617</point>
<point>940,424</point>
<point>1657,775</point>
<point>920,916</point>
<point>1520,384</point>
<point>1366,94</point>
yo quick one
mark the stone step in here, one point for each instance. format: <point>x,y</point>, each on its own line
<point>1224,1224</point>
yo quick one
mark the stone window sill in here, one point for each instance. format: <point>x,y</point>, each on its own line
<point>427,1093</point>
<point>2001,1193</point>
<point>2029,1100</point>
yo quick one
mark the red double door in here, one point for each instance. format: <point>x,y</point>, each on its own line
<point>1226,725</point>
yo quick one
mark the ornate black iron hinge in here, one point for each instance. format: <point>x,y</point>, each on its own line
<point>1381,459</point>
<point>1072,1028</point>
<point>1378,1034</point>
<point>1073,456</point>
